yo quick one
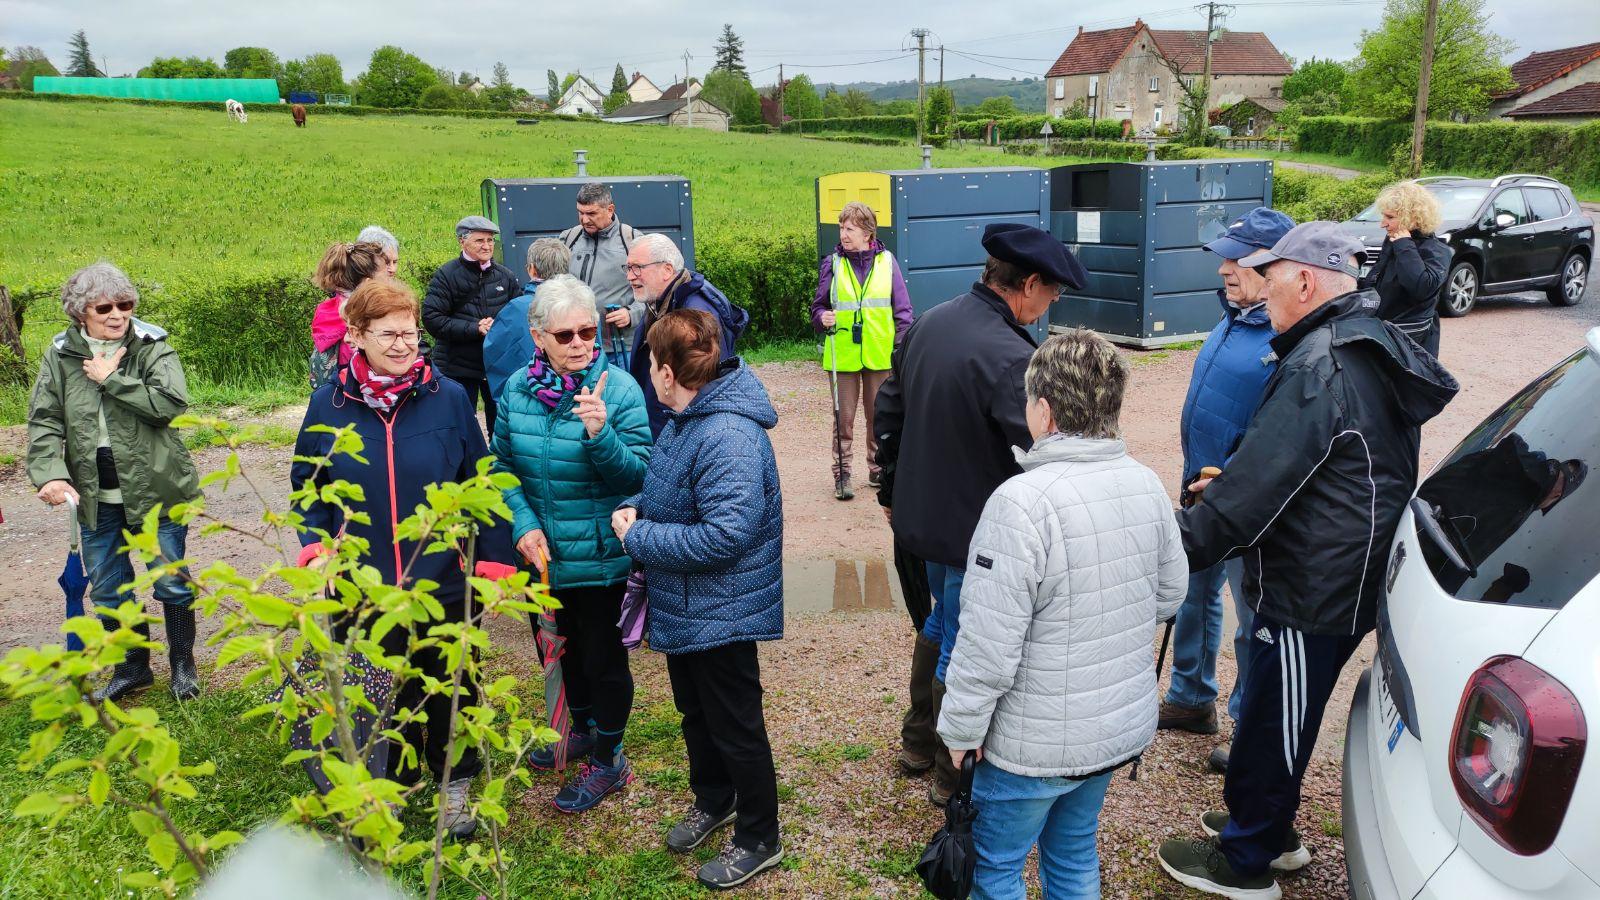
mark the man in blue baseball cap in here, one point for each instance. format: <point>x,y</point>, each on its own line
<point>1229,377</point>
<point>946,421</point>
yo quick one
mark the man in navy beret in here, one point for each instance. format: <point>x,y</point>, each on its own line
<point>946,421</point>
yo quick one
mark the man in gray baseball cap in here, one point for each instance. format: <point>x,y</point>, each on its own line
<point>1311,499</point>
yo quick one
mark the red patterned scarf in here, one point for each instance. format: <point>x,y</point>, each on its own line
<point>382,392</point>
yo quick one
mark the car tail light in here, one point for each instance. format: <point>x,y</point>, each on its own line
<point>1514,756</point>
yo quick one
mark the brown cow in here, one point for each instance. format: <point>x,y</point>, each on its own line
<point>299,113</point>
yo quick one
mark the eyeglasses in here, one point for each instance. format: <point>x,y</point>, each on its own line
<point>636,268</point>
<point>104,309</point>
<point>565,336</point>
<point>390,338</point>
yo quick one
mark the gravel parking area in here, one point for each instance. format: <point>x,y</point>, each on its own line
<point>836,683</point>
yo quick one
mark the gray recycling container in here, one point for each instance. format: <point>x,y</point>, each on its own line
<point>1140,231</point>
<point>933,220</point>
<point>527,209</point>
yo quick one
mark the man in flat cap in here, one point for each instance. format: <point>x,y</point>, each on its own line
<point>1310,500</point>
<point>462,300</point>
<point>947,419</point>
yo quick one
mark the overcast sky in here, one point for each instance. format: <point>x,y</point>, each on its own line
<point>1014,38</point>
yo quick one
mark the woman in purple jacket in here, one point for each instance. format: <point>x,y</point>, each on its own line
<point>861,309</point>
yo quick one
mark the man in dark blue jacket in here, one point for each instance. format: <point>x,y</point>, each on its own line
<point>950,414</point>
<point>1229,376</point>
<point>659,280</point>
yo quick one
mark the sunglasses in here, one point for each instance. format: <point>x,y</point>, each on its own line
<point>104,309</point>
<point>565,337</point>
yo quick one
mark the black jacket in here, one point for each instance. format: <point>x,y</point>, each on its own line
<point>458,296</point>
<point>1407,276</point>
<point>947,418</point>
<point>1313,495</point>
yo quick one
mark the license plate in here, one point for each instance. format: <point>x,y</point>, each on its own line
<point>1388,714</point>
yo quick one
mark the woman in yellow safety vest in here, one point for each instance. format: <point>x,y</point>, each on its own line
<point>861,310</point>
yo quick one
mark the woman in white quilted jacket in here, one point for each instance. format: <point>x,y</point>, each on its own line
<point>1052,682</point>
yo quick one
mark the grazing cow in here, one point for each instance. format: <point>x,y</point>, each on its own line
<point>299,113</point>
<point>236,110</point>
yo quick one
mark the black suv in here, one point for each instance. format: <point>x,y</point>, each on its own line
<point>1515,233</point>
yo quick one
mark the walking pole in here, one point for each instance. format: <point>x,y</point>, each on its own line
<point>1161,658</point>
<point>833,384</point>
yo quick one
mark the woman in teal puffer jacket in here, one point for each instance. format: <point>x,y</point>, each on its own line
<point>574,429</point>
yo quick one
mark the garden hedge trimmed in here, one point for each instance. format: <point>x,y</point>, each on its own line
<point>1568,152</point>
<point>888,126</point>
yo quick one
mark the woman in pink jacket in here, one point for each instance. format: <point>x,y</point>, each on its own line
<point>340,272</point>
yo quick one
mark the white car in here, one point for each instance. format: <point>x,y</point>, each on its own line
<point>1466,773</point>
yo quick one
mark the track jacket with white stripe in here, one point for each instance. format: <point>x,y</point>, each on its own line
<point>1313,495</point>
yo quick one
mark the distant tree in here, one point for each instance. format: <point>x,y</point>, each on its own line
<point>858,103</point>
<point>800,100</point>
<point>324,74</point>
<point>395,78</point>
<point>465,79</point>
<point>1003,107</point>
<point>730,53</point>
<point>29,62</point>
<point>251,62</point>
<point>1467,71</point>
<point>734,94</point>
<point>566,82</point>
<point>898,108</point>
<point>615,101</point>
<point>553,95</point>
<point>439,96</point>
<point>502,76</point>
<point>619,81</point>
<point>81,64</point>
<point>1315,76</point>
<point>941,110</point>
<point>187,67</point>
<point>832,103</point>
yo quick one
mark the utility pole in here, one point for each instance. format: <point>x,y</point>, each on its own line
<point>921,34</point>
<point>1419,118</point>
<point>1205,76</point>
<point>941,65</point>
<point>688,101</point>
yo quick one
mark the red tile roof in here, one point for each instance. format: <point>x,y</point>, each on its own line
<point>1538,69</point>
<point>1234,53</point>
<point>675,92</point>
<point>1583,100</point>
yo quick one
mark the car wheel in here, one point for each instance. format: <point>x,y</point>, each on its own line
<point>1460,291</point>
<point>1568,289</point>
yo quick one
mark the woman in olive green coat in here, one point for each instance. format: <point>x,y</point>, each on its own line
<point>99,436</point>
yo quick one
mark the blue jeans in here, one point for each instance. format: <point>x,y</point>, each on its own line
<point>110,567</point>
<point>1197,636</point>
<point>945,620</point>
<point>1061,815</point>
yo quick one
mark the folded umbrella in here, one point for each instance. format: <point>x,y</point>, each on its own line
<point>947,865</point>
<point>552,647</point>
<point>74,580</point>
<point>635,609</point>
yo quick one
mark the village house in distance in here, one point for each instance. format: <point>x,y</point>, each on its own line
<point>1128,73</point>
<point>1554,87</point>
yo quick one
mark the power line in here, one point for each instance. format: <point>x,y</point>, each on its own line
<point>1033,72</point>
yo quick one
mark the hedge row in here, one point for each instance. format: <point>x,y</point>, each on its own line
<point>283,108</point>
<point>754,129</point>
<point>1568,152</point>
<point>869,139</point>
<point>1025,127</point>
<point>891,126</point>
<point>1114,150</point>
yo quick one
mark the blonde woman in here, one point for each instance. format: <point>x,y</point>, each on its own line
<point>861,309</point>
<point>1411,267</point>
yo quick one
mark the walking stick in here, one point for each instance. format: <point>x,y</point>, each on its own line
<point>1166,637</point>
<point>833,384</point>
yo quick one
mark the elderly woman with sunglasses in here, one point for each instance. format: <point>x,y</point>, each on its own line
<point>574,429</point>
<point>99,436</point>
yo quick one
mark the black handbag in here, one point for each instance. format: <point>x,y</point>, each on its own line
<point>947,865</point>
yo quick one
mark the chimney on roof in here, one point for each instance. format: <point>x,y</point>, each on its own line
<point>1138,23</point>
<point>1080,29</point>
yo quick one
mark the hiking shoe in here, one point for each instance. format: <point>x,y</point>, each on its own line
<point>1218,760</point>
<point>736,865</point>
<point>1196,719</point>
<point>697,825</point>
<point>841,488</point>
<point>1294,856</point>
<point>595,780</point>
<point>875,479</point>
<point>1200,865</point>
<point>914,764</point>
<point>938,797</point>
<point>457,812</point>
<point>580,744</point>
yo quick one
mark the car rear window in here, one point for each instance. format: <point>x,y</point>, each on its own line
<point>1519,497</point>
<point>1543,203</point>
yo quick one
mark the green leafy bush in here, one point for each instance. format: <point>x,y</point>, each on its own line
<point>893,126</point>
<point>1570,153</point>
<point>1025,127</point>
